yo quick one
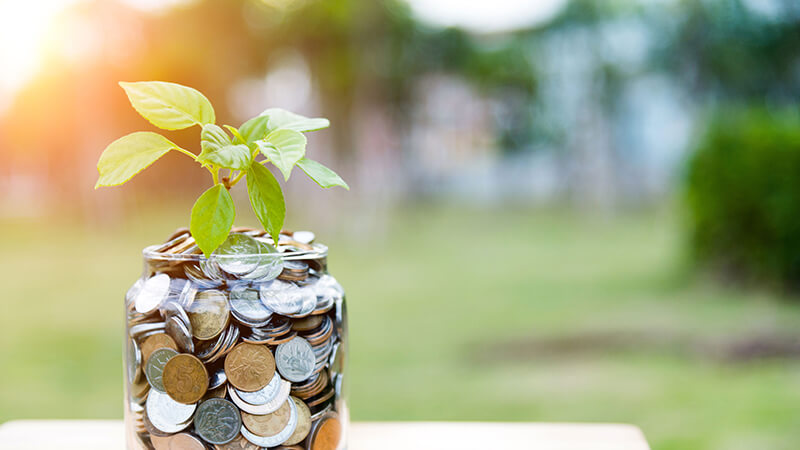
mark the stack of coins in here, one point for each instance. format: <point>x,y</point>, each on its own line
<point>241,350</point>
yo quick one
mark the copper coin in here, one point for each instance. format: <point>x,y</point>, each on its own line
<point>238,443</point>
<point>208,314</point>
<point>185,379</point>
<point>289,447</point>
<point>307,323</point>
<point>249,367</point>
<point>155,342</point>
<point>217,392</point>
<point>180,441</point>
<point>326,433</point>
<point>269,424</point>
<point>303,423</point>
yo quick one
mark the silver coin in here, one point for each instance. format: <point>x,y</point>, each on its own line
<point>176,309</point>
<point>238,255</point>
<point>270,264</point>
<point>217,379</point>
<point>279,397</point>
<point>217,421</point>
<point>295,266</point>
<point>166,414</point>
<point>278,439</point>
<point>309,304</point>
<point>246,303</point>
<point>295,359</point>
<point>139,330</point>
<point>283,298</point>
<point>263,395</point>
<point>304,237</point>
<point>211,270</point>
<point>328,282</point>
<point>154,367</point>
<point>152,293</point>
<point>134,360</point>
<point>134,291</point>
<point>180,333</point>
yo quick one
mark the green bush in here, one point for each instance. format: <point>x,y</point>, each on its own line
<point>743,194</point>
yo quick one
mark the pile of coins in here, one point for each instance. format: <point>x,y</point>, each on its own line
<point>241,350</point>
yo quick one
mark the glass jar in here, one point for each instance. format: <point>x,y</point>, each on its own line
<point>244,349</point>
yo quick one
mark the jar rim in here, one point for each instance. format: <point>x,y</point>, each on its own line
<point>317,251</point>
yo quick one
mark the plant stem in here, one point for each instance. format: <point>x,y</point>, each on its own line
<point>186,152</point>
<point>215,175</point>
<point>238,177</point>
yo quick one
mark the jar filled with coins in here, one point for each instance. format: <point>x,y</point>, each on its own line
<point>244,349</point>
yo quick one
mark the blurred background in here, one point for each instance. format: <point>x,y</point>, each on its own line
<point>561,210</point>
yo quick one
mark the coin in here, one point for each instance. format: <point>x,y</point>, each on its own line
<point>154,367</point>
<point>180,441</point>
<point>166,414</point>
<point>295,359</point>
<point>246,304</point>
<point>217,378</point>
<point>249,367</point>
<point>185,378</point>
<point>262,406</point>
<point>134,360</point>
<point>208,314</point>
<point>153,291</point>
<point>304,237</point>
<point>155,342</point>
<point>218,392</point>
<point>238,443</point>
<point>270,264</point>
<point>326,434</point>
<point>217,421</point>
<point>238,255</point>
<point>303,423</point>
<point>180,333</point>
<point>268,424</point>
<point>272,441</point>
<point>307,323</point>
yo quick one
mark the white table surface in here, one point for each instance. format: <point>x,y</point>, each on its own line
<point>108,435</point>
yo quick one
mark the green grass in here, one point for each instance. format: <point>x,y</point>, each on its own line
<point>454,315</point>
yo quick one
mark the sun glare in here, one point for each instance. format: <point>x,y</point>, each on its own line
<point>23,29</point>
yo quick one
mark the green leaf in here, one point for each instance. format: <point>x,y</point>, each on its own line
<point>129,155</point>
<point>237,137</point>
<point>266,198</point>
<point>255,129</point>
<point>218,149</point>
<point>324,177</point>
<point>168,105</point>
<point>212,218</point>
<point>284,148</point>
<point>280,118</point>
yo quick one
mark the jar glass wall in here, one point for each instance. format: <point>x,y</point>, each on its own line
<point>244,349</point>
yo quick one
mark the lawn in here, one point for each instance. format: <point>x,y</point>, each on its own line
<point>455,314</point>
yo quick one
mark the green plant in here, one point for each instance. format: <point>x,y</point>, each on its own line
<point>743,191</point>
<point>276,135</point>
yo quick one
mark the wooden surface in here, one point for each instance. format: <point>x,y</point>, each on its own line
<point>108,435</point>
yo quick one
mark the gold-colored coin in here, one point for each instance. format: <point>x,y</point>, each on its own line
<point>307,323</point>
<point>326,433</point>
<point>217,392</point>
<point>182,441</point>
<point>238,443</point>
<point>249,367</point>
<point>209,314</point>
<point>155,342</point>
<point>270,424</point>
<point>185,378</point>
<point>303,423</point>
